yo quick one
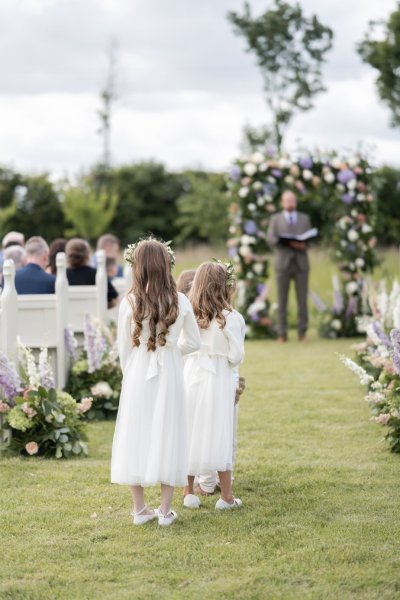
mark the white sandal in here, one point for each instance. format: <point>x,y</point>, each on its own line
<point>168,519</point>
<point>140,519</point>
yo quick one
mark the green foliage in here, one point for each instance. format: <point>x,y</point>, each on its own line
<point>147,196</point>
<point>380,49</point>
<point>46,423</point>
<point>90,209</point>
<point>29,204</point>
<point>202,208</point>
<point>290,50</point>
<point>386,182</point>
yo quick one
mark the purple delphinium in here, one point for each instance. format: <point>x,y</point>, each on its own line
<point>351,309</point>
<point>10,381</point>
<point>306,162</point>
<point>377,329</point>
<point>395,339</point>
<point>94,343</point>
<point>250,227</point>
<point>345,176</point>
<point>261,287</point>
<point>318,303</point>
<point>235,173</point>
<point>337,306</point>
<point>70,342</point>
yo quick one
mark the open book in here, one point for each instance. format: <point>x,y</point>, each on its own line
<point>302,237</point>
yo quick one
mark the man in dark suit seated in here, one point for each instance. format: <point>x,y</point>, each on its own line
<point>33,279</point>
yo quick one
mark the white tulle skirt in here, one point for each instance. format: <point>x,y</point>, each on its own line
<point>150,442</point>
<point>210,393</point>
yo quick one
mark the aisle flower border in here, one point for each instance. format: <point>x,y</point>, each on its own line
<point>255,185</point>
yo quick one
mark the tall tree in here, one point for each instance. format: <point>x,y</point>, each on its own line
<point>380,48</point>
<point>290,50</point>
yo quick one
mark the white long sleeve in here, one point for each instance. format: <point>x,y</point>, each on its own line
<point>124,338</point>
<point>189,340</point>
<point>233,331</point>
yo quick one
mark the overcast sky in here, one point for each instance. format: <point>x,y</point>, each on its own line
<point>186,86</point>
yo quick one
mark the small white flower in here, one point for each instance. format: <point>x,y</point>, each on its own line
<point>360,262</point>
<point>250,169</point>
<point>351,287</point>
<point>353,161</point>
<point>340,187</point>
<point>354,213</point>
<point>366,228</point>
<point>263,167</point>
<point>243,192</point>
<point>257,185</point>
<point>256,307</point>
<point>232,229</point>
<point>261,201</point>
<point>258,268</point>
<point>352,184</point>
<point>289,179</point>
<point>252,206</point>
<point>245,251</point>
<point>268,198</point>
<point>246,240</point>
<point>329,177</point>
<point>360,197</point>
<point>353,235</point>
<point>336,162</point>
<point>307,174</point>
<point>336,324</point>
<point>257,157</point>
<point>284,163</point>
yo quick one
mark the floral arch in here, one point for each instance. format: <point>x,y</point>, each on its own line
<point>338,193</point>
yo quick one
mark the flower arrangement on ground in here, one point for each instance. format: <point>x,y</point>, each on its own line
<point>41,420</point>
<point>95,373</point>
<point>340,189</point>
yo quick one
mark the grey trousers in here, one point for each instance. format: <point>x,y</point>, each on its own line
<point>283,278</point>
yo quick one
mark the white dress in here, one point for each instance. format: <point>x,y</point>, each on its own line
<point>210,393</point>
<point>150,438</point>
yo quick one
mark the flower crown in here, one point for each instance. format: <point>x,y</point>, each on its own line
<point>230,272</point>
<point>130,249</point>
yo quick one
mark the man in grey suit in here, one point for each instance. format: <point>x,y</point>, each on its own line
<point>291,262</point>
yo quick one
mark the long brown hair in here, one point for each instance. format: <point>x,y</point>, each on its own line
<point>153,293</point>
<point>210,295</point>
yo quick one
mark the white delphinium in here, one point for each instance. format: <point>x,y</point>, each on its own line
<point>46,375</point>
<point>362,374</point>
<point>28,363</point>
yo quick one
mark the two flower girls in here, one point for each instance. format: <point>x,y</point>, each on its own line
<point>176,416</point>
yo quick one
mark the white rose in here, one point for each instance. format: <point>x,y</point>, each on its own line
<point>250,169</point>
<point>261,201</point>
<point>354,213</point>
<point>343,243</point>
<point>351,287</point>
<point>252,206</point>
<point>307,174</point>
<point>353,162</point>
<point>268,198</point>
<point>336,162</point>
<point>361,197</point>
<point>257,157</point>
<point>352,266</point>
<point>245,251</point>
<point>102,388</point>
<point>289,179</point>
<point>340,187</point>
<point>250,275</point>
<point>243,192</point>
<point>263,167</point>
<point>352,184</point>
<point>258,268</point>
<point>336,324</point>
<point>366,228</point>
<point>360,262</point>
<point>353,235</point>
<point>257,185</point>
<point>256,307</point>
<point>329,177</point>
<point>232,229</point>
<point>284,163</point>
<point>246,240</point>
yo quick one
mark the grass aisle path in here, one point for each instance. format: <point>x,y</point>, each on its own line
<point>320,489</point>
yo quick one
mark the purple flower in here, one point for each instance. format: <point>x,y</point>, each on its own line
<point>351,309</point>
<point>381,334</point>
<point>318,303</point>
<point>348,198</point>
<point>261,287</point>
<point>70,342</point>
<point>306,162</point>
<point>250,227</point>
<point>271,151</point>
<point>235,173</point>
<point>10,381</point>
<point>345,176</point>
<point>337,306</point>
<point>395,339</point>
<point>276,173</point>
<point>232,251</point>
<point>254,317</point>
<point>95,344</point>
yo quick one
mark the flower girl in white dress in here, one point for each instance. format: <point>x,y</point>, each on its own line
<point>156,326</point>
<point>210,383</point>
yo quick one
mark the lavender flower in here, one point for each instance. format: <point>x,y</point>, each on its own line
<point>345,176</point>
<point>306,162</point>
<point>10,381</point>
<point>351,307</point>
<point>94,343</point>
<point>250,227</point>
<point>395,339</point>
<point>235,173</point>
<point>381,334</point>
<point>348,198</point>
<point>318,303</point>
<point>338,305</point>
<point>276,173</point>
<point>71,343</point>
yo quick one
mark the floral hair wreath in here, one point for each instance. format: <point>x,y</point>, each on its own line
<point>230,272</point>
<point>130,249</point>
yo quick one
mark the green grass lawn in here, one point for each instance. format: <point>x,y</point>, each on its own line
<point>319,487</point>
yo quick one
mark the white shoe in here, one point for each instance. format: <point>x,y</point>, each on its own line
<point>222,505</point>
<point>191,501</point>
<point>168,519</point>
<point>140,519</point>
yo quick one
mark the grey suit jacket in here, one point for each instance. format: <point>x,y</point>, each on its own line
<point>284,255</point>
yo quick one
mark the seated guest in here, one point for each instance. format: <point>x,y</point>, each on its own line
<point>12,238</point>
<point>17,254</point>
<point>33,279</point>
<point>111,246</point>
<point>111,267</point>
<point>56,246</point>
<point>79,272</point>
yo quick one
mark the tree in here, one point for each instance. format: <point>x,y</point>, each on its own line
<point>386,182</point>
<point>29,204</point>
<point>381,49</point>
<point>90,211</point>
<point>203,208</point>
<point>290,50</point>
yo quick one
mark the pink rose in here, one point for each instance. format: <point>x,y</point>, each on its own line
<point>28,410</point>
<point>383,418</point>
<point>4,407</point>
<point>32,448</point>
